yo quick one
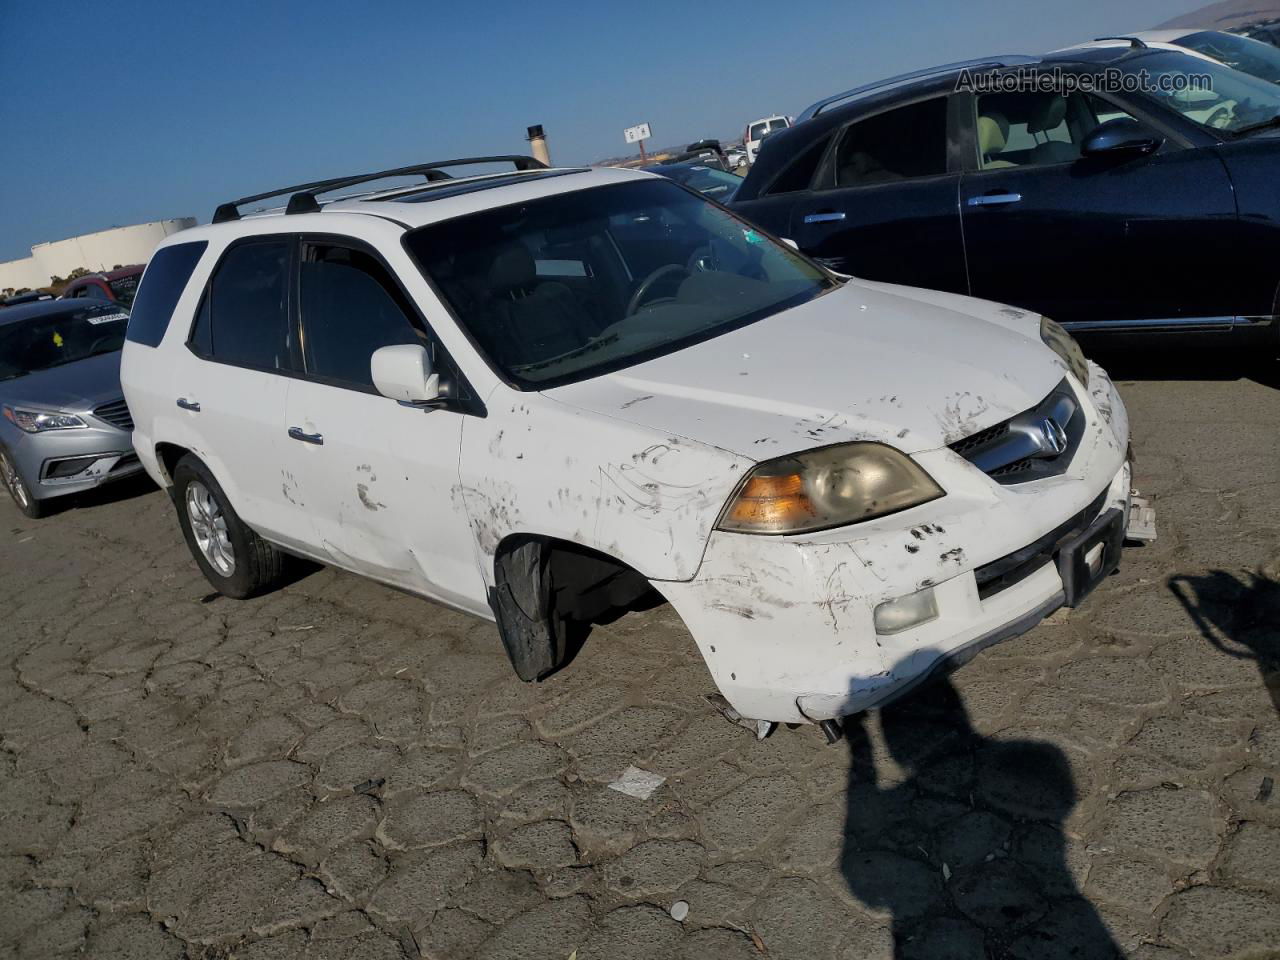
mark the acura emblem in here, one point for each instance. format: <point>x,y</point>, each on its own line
<point>1055,438</point>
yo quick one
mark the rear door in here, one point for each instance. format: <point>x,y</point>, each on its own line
<point>377,478</point>
<point>883,206</point>
<point>230,391</point>
<point>1094,241</point>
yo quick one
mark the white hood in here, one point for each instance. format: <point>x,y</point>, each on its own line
<point>912,368</point>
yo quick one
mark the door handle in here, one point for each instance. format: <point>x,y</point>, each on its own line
<point>297,433</point>
<point>995,199</point>
<point>186,404</point>
<point>830,216</point>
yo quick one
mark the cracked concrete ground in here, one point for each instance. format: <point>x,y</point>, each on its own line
<point>340,771</point>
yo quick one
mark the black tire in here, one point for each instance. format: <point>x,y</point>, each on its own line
<point>523,602</point>
<point>255,565</point>
<point>18,490</point>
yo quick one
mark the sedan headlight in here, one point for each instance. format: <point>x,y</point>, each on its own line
<point>825,488</point>
<point>1064,345</point>
<point>38,421</point>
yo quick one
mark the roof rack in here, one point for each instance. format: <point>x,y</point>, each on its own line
<point>1135,42</point>
<point>1012,60</point>
<point>303,195</point>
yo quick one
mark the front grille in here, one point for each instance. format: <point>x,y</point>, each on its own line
<point>1013,568</point>
<point>115,413</point>
<point>1036,443</point>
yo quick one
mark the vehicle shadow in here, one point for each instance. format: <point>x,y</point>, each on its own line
<point>1184,358</point>
<point>1240,616</point>
<point>117,491</point>
<point>961,840</point>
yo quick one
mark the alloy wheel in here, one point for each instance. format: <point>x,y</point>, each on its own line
<point>209,526</point>
<point>13,483</point>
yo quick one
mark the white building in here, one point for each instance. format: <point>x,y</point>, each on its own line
<point>93,251</point>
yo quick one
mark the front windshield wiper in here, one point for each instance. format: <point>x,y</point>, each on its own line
<point>572,354</point>
<point>1255,127</point>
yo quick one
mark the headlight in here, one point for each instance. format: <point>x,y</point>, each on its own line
<point>825,488</point>
<point>1064,345</point>
<point>38,421</point>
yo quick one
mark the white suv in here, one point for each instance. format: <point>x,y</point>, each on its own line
<point>538,395</point>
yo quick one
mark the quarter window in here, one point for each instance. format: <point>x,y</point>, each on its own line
<point>166,277</point>
<point>800,173</point>
<point>350,308</point>
<point>244,318</point>
<point>901,144</point>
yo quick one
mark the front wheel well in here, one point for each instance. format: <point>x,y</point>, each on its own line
<point>547,593</point>
<point>585,584</point>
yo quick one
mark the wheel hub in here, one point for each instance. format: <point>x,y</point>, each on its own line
<point>209,527</point>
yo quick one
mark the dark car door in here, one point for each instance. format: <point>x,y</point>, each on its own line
<point>883,206</point>
<point>1094,241</point>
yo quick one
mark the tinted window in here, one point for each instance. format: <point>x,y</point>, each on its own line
<point>246,313</point>
<point>799,175</point>
<point>166,277</point>
<point>350,308</point>
<point>900,144</point>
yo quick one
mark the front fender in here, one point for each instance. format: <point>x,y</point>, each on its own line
<point>542,468</point>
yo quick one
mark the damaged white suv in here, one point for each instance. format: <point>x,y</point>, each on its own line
<point>538,394</point>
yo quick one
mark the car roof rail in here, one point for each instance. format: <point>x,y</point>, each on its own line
<point>1137,43</point>
<point>1011,60</point>
<point>303,195</point>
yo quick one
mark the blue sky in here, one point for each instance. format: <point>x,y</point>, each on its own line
<point>138,111</point>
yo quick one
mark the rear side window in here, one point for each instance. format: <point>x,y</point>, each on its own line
<point>350,308</point>
<point>166,277</point>
<point>800,173</point>
<point>244,317</point>
<point>900,144</point>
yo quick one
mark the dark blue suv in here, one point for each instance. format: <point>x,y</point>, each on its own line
<point>1109,189</point>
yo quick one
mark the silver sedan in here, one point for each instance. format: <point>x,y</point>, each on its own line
<point>64,425</point>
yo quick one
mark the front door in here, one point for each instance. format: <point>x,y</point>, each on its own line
<point>378,478</point>
<point>1094,241</point>
<point>884,205</point>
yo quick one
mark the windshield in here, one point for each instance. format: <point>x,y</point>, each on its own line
<point>1240,53</point>
<point>53,339</point>
<point>1229,103</point>
<point>714,183</point>
<point>573,285</point>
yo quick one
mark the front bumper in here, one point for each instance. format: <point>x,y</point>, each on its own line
<point>786,625</point>
<point>63,462</point>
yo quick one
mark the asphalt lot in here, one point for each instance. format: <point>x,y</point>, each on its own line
<point>338,770</point>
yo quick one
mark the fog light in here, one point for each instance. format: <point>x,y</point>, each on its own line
<point>894,616</point>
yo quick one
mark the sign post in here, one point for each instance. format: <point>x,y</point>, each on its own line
<point>637,134</point>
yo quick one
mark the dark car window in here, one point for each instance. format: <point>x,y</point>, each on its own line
<point>800,173</point>
<point>350,308</point>
<point>900,144</point>
<point>244,319</point>
<point>1037,129</point>
<point>124,289</point>
<point>60,337</point>
<point>166,277</point>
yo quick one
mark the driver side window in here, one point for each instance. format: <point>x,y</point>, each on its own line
<point>1037,129</point>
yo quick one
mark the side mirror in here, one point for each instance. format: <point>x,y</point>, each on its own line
<point>1118,136</point>
<point>403,372</point>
